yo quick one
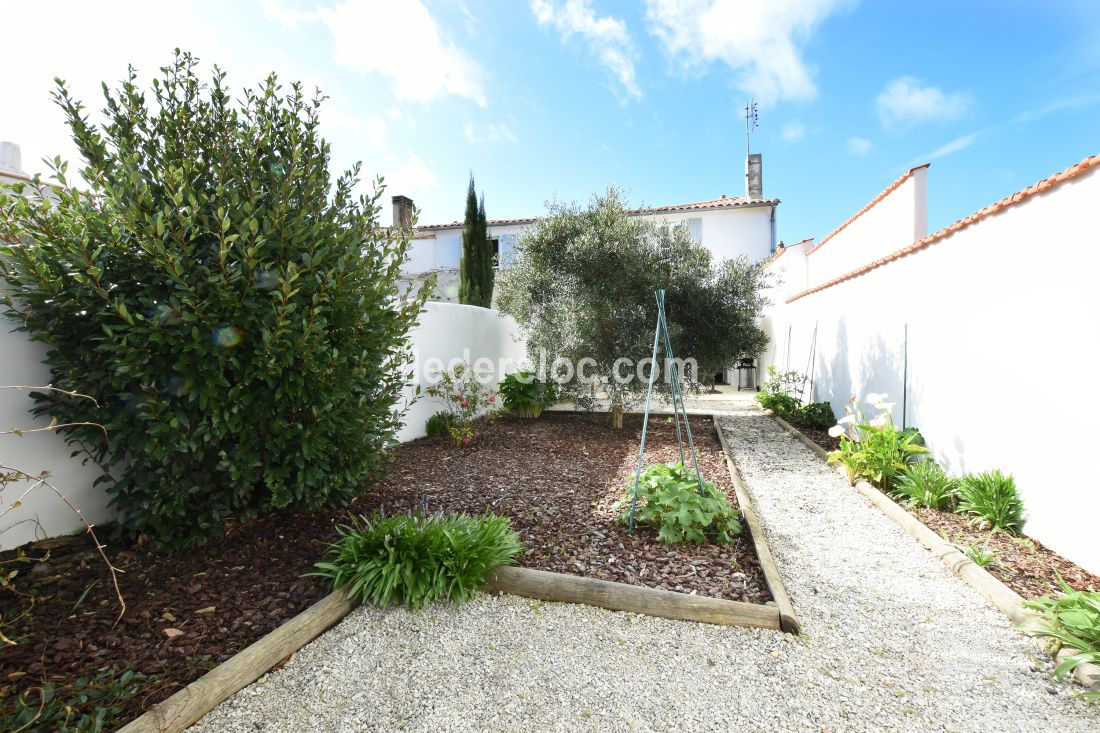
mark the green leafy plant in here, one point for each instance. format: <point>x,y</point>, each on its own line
<point>980,554</point>
<point>412,559</point>
<point>90,705</point>
<point>815,415</point>
<point>992,499</point>
<point>669,499</point>
<point>470,405</point>
<point>438,424</point>
<point>783,382</point>
<point>874,449</point>
<point>780,403</point>
<point>1073,620</point>
<point>475,268</point>
<point>925,484</point>
<point>233,308</point>
<point>526,394</point>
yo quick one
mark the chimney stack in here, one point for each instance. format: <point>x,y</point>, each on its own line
<point>10,158</point>
<point>402,211</point>
<point>754,176</point>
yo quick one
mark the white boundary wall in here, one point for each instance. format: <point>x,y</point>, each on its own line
<point>1003,348</point>
<point>446,332</point>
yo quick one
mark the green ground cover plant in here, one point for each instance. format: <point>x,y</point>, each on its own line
<point>416,558</point>
<point>669,500</point>
<point>993,501</point>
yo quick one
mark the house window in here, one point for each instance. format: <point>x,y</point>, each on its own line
<point>496,251</point>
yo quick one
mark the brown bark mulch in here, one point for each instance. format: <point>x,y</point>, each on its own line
<point>554,477</point>
<point>1024,564</point>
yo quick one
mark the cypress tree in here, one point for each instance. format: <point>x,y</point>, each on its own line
<point>475,286</point>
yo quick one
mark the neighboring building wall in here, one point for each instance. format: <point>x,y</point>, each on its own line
<point>992,325</point>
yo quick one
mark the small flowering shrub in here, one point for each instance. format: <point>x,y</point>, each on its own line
<point>469,404</point>
<point>992,499</point>
<point>874,449</point>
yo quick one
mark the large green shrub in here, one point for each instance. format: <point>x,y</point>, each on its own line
<point>411,559</point>
<point>233,309</point>
<point>475,268</point>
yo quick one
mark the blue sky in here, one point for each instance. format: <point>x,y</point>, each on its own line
<point>556,98</point>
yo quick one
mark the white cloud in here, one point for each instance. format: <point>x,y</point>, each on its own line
<point>402,41</point>
<point>793,131</point>
<point>758,41</point>
<point>859,145</point>
<point>493,132</point>
<point>606,36</point>
<point>959,143</point>
<point>906,101</point>
<point>410,177</point>
<point>286,17</point>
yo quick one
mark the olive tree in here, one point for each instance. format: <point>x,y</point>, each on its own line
<point>232,308</point>
<point>582,286</point>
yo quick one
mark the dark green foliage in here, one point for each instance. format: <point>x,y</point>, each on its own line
<point>992,499</point>
<point>815,415</point>
<point>780,403</point>
<point>412,559</point>
<point>439,424</point>
<point>526,394</point>
<point>925,484</point>
<point>669,499</point>
<point>1073,620</point>
<point>475,269</point>
<point>582,286</point>
<point>90,705</point>
<point>231,306</point>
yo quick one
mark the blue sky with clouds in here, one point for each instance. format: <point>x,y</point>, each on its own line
<point>561,98</point>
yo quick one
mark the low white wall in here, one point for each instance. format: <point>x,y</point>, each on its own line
<point>1002,351</point>
<point>448,333</point>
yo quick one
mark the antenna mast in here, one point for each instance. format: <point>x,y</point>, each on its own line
<point>752,121</point>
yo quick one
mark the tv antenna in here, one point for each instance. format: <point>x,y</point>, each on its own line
<point>752,121</point>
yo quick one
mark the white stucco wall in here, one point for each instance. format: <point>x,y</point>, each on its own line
<point>1002,350</point>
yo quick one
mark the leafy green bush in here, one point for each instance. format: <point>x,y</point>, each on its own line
<point>1072,619</point>
<point>874,449</point>
<point>439,424</point>
<point>992,499</point>
<point>234,310</point>
<point>91,705</point>
<point>925,484</point>
<point>412,559</point>
<point>815,415</point>
<point>780,403</point>
<point>526,394</point>
<point>669,499</point>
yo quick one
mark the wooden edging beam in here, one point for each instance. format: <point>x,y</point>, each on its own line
<point>547,586</point>
<point>1008,601</point>
<point>187,706</point>
<point>788,617</point>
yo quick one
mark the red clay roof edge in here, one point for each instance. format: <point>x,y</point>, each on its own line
<point>870,205</point>
<point>1042,186</point>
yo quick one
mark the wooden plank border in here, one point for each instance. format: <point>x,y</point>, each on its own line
<point>788,617</point>
<point>548,586</point>
<point>187,706</point>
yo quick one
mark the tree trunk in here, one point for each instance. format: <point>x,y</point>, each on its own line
<point>617,417</point>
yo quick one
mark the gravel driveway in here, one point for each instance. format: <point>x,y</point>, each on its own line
<point>892,641</point>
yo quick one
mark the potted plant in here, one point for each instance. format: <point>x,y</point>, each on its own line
<point>525,394</point>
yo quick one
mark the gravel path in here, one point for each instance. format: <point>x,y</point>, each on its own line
<point>892,641</point>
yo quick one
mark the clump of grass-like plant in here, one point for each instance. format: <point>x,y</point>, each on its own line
<point>1073,620</point>
<point>413,559</point>
<point>992,499</point>
<point>926,484</point>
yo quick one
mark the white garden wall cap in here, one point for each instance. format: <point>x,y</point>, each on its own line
<point>784,247</point>
<point>870,205</point>
<point>1085,166</point>
<point>728,202</point>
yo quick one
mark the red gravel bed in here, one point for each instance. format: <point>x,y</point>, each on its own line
<point>1023,564</point>
<point>555,477</point>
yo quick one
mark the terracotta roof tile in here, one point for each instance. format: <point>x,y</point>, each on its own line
<point>1044,185</point>
<point>885,192</point>
<point>729,202</point>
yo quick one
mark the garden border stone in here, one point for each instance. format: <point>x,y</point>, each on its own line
<point>1000,595</point>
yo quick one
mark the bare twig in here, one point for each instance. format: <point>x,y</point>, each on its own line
<point>51,388</point>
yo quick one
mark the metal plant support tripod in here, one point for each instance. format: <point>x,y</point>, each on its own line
<point>678,407</point>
